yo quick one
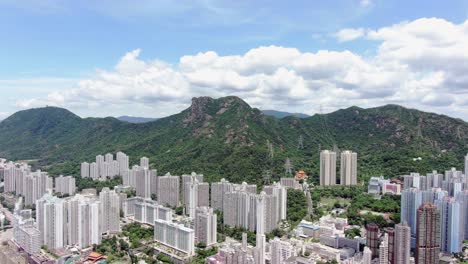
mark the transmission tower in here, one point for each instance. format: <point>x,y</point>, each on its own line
<point>287,167</point>
<point>271,151</point>
<point>266,177</point>
<point>300,144</point>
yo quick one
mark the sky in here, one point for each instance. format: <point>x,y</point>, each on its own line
<point>116,57</point>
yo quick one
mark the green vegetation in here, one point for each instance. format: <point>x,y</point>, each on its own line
<point>353,232</point>
<point>164,258</point>
<point>226,138</point>
<point>137,234</point>
<point>85,183</point>
<point>297,206</point>
<point>115,249</point>
<point>202,254</point>
<point>359,201</point>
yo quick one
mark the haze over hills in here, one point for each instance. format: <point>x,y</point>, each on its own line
<point>136,119</point>
<point>274,113</point>
<point>282,114</point>
<point>227,138</point>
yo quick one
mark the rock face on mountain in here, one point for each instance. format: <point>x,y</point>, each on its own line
<point>225,137</point>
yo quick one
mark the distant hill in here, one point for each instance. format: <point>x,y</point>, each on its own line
<point>135,119</point>
<point>226,138</point>
<point>280,114</point>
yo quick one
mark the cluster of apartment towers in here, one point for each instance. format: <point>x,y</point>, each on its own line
<point>348,168</point>
<point>241,205</point>
<point>434,220</point>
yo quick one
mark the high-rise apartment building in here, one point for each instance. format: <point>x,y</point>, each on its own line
<point>175,236</point>
<point>110,211</point>
<point>82,221</point>
<point>383,250</point>
<point>168,190</point>
<point>144,162</point>
<point>196,194</point>
<point>391,244</point>
<point>218,190</point>
<point>402,244</point>
<point>186,178</point>
<point>327,168</point>
<point>143,181</point>
<point>65,185</point>
<point>280,251</point>
<point>367,256</point>
<point>411,200</point>
<point>205,225</point>
<point>94,170</point>
<point>50,214</point>
<point>348,168</point>
<point>463,198</point>
<point>146,211</point>
<point>35,185</point>
<point>466,165</point>
<point>452,218</point>
<point>84,170</point>
<point>372,239</point>
<point>427,234</point>
<point>25,234</point>
<point>122,160</point>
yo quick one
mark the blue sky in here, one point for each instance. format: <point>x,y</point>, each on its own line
<point>48,49</point>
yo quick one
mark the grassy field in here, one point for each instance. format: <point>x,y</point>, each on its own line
<point>329,202</point>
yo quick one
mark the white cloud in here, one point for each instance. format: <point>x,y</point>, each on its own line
<point>365,3</point>
<point>4,115</point>
<point>349,34</point>
<point>421,63</point>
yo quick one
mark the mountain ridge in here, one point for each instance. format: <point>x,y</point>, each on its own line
<point>225,137</point>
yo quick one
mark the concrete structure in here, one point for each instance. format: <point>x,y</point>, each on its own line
<point>290,183</point>
<point>110,211</point>
<point>85,170</point>
<point>452,218</point>
<point>327,168</point>
<point>411,200</point>
<point>50,214</point>
<point>390,231</point>
<point>218,189</point>
<point>142,181</point>
<point>280,251</point>
<point>466,165</point>
<point>9,254</point>
<point>348,168</point>
<point>196,194</point>
<point>205,226</point>
<point>463,198</point>
<point>367,256</point>
<point>82,221</point>
<point>144,162</point>
<point>65,185</point>
<point>241,208</point>
<point>25,234</point>
<point>94,170</point>
<point>383,250</point>
<point>188,178</point>
<point>427,234</point>
<point>402,244</point>
<point>122,159</point>
<point>372,239</point>
<point>168,190</point>
<point>147,211</point>
<point>175,236</point>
